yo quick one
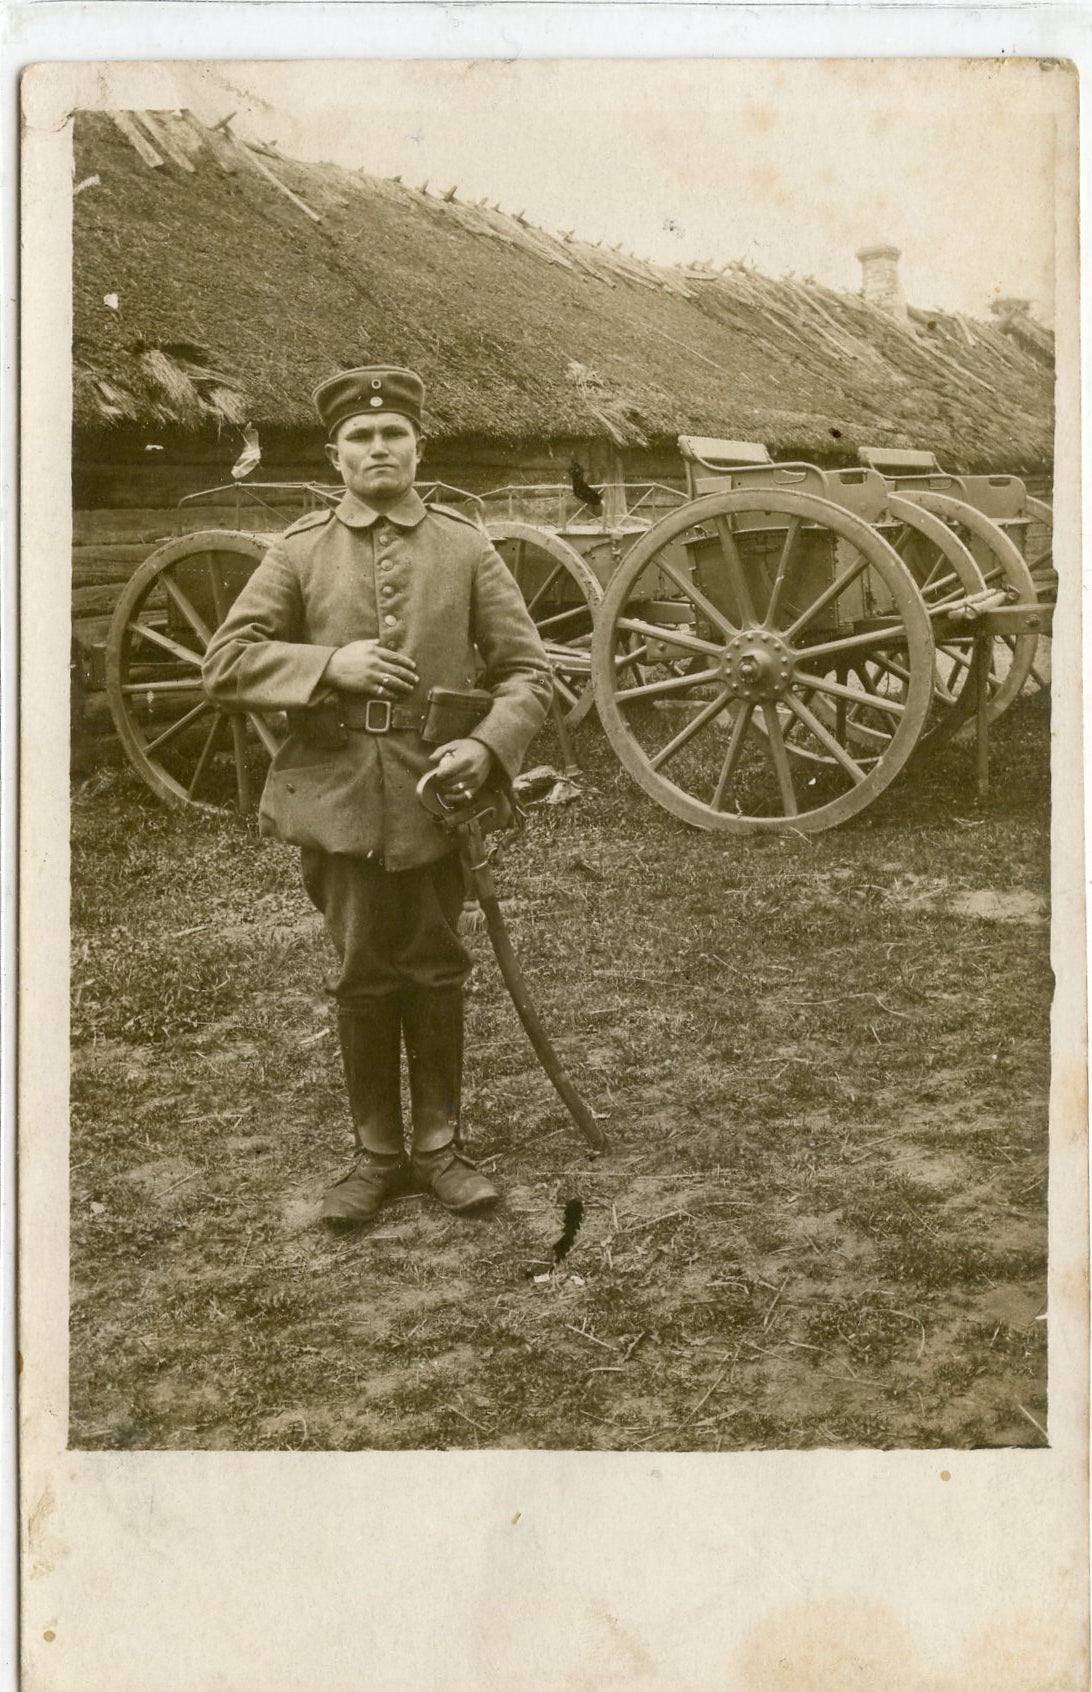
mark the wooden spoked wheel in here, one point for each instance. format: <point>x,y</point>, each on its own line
<point>763,661</point>
<point>563,595</point>
<point>180,743</point>
<point>1003,568</point>
<point>945,573</point>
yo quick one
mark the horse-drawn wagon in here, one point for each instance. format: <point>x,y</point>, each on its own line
<point>765,650</point>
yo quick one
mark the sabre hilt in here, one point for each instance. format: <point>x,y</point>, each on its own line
<point>489,808</point>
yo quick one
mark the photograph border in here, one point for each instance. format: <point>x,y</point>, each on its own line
<point>175,1517</point>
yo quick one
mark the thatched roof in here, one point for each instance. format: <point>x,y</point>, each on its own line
<point>216,282</point>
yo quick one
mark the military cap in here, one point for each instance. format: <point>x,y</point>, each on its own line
<point>376,387</point>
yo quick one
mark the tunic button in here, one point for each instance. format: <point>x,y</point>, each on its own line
<point>390,622</point>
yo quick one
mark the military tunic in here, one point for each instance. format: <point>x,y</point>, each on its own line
<point>424,580</point>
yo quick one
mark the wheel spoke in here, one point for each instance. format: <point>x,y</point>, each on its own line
<point>672,684</point>
<point>942,688</point>
<point>242,774</point>
<point>264,732</point>
<point>782,571</point>
<point>562,617</point>
<point>836,588</point>
<point>737,575</point>
<point>871,682</point>
<point>938,562</point>
<point>206,755</point>
<point>182,723</point>
<point>958,658</point>
<point>779,757</point>
<point>551,578</point>
<point>951,581</point>
<point>870,640</point>
<point>854,715</point>
<point>694,594</point>
<point>825,738</point>
<point>873,700</point>
<point>168,645</point>
<point>672,635</point>
<point>713,709</point>
<point>860,669</point>
<point>889,667</point>
<point>179,686</point>
<point>188,610</point>
<point>217,586</point>
<point>626,660</point>
<point>732,756</point>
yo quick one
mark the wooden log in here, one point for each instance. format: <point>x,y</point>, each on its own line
<point>186,134</point>
<point>220,145</point>
<point>101,575</point>
<point>163,139</point>
<point>95,526</point>
<point>95,601</point>
<point>110,552</point>
<point>264,170</point>
<point>137,139</point>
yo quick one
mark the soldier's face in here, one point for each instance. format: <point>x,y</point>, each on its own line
<point>376,456</point>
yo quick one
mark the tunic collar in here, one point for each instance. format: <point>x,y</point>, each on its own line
<point>357,514</point>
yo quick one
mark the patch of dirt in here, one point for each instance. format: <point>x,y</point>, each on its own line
<point>822,1220</point>
<point>1015,905</point>
<point>161,1178</point>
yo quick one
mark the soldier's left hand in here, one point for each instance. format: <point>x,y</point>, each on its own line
<point>462,766</point>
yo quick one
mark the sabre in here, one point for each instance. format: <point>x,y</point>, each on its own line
<point>464,821</point>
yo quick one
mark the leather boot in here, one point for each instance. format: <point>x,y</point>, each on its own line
<point>432,1018</point>
<point>371,1047</point>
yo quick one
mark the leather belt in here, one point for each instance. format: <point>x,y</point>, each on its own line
<point>378,716</point>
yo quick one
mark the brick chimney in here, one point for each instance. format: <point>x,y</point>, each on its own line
<point>1011,308</point>
<point>880,283</point>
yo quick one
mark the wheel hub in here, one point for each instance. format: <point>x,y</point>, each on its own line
<point>757,664</point>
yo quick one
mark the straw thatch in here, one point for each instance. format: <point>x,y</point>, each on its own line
<point>217,283</point>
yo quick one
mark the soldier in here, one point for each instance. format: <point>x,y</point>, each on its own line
<point>351,618</point>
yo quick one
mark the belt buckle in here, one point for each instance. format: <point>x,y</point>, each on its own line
<point>370,725</point>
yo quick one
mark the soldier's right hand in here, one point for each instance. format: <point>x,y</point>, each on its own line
<point>364,666</point>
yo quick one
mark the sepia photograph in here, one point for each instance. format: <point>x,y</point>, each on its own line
<point>552,1065</point>
<point>562,591</point>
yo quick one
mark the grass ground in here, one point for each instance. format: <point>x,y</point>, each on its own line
<point>823,1065</point>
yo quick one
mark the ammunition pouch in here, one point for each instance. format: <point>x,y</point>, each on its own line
<point>454,713</point>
